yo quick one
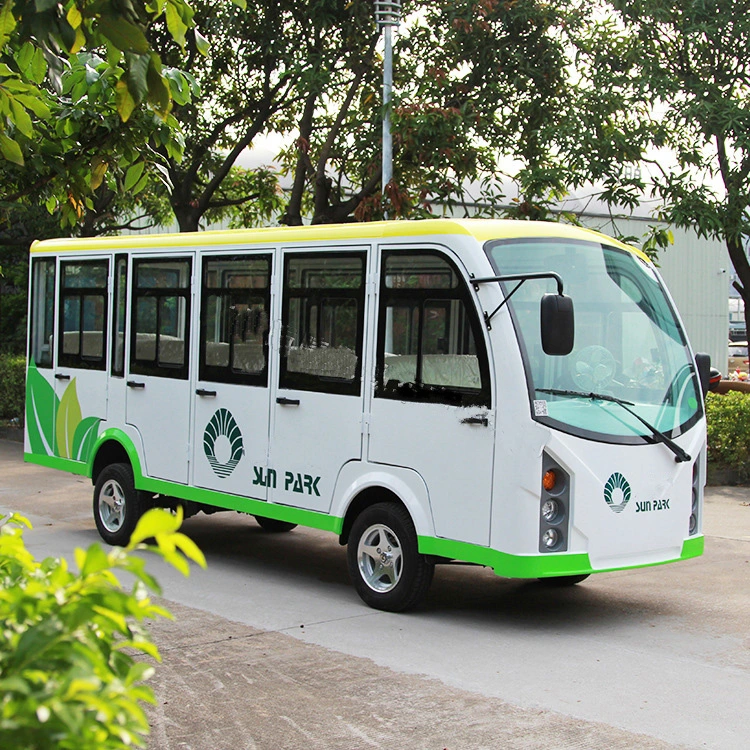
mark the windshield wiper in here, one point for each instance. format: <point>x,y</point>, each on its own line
<point>680,455</point>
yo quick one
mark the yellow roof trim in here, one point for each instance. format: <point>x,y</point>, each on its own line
<point>481,229</point>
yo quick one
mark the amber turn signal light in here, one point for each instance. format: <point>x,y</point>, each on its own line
<point>549,480</point>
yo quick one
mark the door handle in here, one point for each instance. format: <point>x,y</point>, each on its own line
<point>204,392</point>
<point>135,384</point>
<point>60,376</point>
<point>479,419</point>
<point>287,401</point>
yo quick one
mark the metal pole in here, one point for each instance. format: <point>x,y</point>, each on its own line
<point>387,88</point>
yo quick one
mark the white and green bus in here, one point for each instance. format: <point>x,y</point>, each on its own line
<point>423,390</point>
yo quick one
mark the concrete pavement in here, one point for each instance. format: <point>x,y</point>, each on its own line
<point>224,683</point>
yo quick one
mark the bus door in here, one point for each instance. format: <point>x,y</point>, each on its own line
<point>80,374</point>
<point>431,410</point>
<point>230,440</point>
<point>317,404</point>
<point>157,379</point>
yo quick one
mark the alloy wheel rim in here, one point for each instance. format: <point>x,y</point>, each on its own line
<point>112,506</point>
<point>380,558</point>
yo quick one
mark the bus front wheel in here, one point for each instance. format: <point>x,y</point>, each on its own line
<point>385,566</point>
<point>117,504</point>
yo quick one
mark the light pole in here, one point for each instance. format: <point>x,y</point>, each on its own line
<point>387,15</point>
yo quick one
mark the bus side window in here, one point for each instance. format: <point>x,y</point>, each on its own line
<point>118,330</point>
<point>83,319</point>
<point>322,322</point>
<point>161,318</point>
<point>42,311</point>
<point>430,342</point>
<point>234,319</point>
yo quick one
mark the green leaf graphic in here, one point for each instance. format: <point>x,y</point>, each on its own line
<point>41,406</point>
<point>85,437</point>
<point>68,419</point>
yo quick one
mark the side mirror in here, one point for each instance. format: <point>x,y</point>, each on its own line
<point>557,323</point>
<point>703,366</point>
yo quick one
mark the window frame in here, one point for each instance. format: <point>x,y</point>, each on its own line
<point>154,367</point>
<point>40,302</point>
<point>291,380</point>
<point>226,373</point>
<point>119,297</point>
<point>80,361</point>
<point>417,299</point>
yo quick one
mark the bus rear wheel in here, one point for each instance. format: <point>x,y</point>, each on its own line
<point>117,504</point>
<point>384,563</point>
<point>274,525</point>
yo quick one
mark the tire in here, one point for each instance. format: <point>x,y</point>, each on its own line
<point>117,504</point>
<point>387,570</point>
<point>273,525</point>
<point>565,580</point>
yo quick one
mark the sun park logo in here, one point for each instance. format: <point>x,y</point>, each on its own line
<point>222,443</point>
<point>617,492</point>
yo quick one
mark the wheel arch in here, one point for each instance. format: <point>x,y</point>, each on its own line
<point>361,485</point>
<point>114,446</point>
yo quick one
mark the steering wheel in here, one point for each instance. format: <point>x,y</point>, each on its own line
<point>592,368</point>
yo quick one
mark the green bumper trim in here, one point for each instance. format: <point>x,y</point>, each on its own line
<point>54,462</point>
<point>535,566</point>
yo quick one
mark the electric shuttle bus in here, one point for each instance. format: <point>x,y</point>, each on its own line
<point>516,395</point>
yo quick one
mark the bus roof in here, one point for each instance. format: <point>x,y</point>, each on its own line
<point>481,229</point>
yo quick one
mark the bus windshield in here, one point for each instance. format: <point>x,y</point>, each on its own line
<point>629,345</point>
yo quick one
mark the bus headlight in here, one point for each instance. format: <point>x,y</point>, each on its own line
<point>550,538</point>
<point>550,510</point>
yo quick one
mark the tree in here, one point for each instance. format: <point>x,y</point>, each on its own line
<point>256,55</point>
<point>81,93</point>
<point>473,81</point>
<point>674,80</point>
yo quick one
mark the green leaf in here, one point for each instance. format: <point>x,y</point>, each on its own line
<point>11,150</point>
<point>94,561</point>
<point>85,437</point>
<point>201,43</point>
<point>240,4</point>
<point>134,174</point>
<point>68,419</point>
<point>35,104</point>
<point>124,35</point>
<point>41,407</point>
<point>21,118</point>
<point>159,95</point>
<point>176,23</point>
<point>153,522</point>
<point>124,100</point>
<point>7,22</point>
<point>190,549</point>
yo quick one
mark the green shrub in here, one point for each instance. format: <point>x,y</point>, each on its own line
<point>12,386</point>
<point>728,417</point>
<point>68,676</point>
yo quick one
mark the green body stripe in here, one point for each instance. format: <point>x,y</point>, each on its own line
<point>536,566</point>
<point>54,462</point>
